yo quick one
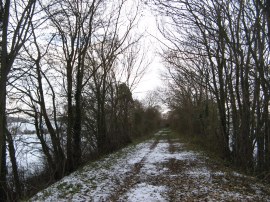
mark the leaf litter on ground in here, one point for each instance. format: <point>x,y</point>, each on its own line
<point>159,169</point>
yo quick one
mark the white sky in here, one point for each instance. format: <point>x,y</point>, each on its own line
<point>152,79</point>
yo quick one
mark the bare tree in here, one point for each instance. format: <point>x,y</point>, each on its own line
<point>68,79</point>
<point>221,47</point>
<point>14,33</point>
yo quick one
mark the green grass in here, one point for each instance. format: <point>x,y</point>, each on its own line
<point>66,188</point>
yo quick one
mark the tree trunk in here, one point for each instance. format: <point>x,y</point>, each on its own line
<point>69,164</point>
<point>3,174</point>
<point>14,164</point>
<point>77,153</point>
<point>3,81</point>
<point>45,148</point>
<point>58,151</point>
<point>3,185</point>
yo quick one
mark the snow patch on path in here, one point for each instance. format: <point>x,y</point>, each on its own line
<point>161,154</point>
<point>155,171</point>
<point>145,192</point>
<point>97,181</point>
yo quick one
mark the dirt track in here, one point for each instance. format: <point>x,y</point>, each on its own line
<point>161,169</point>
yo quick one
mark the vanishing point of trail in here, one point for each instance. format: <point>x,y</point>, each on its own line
<point>160,169</point>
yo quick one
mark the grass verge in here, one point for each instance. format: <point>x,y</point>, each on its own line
<point>209,148</point>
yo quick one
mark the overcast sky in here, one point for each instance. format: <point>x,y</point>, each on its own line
<point>152,78</point>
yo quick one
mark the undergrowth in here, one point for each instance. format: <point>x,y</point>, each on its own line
<point>209,148</point>
<point>91,162</point>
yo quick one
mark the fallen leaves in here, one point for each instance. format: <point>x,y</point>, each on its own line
<point>157,170</point>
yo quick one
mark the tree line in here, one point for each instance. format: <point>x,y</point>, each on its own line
<point>217,56</point>
<point>69,67</point>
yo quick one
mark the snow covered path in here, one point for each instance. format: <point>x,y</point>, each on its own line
<point>161,169</point>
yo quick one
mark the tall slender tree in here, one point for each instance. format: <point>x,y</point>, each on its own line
<point>231,37</point>
<point>13,35</point>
